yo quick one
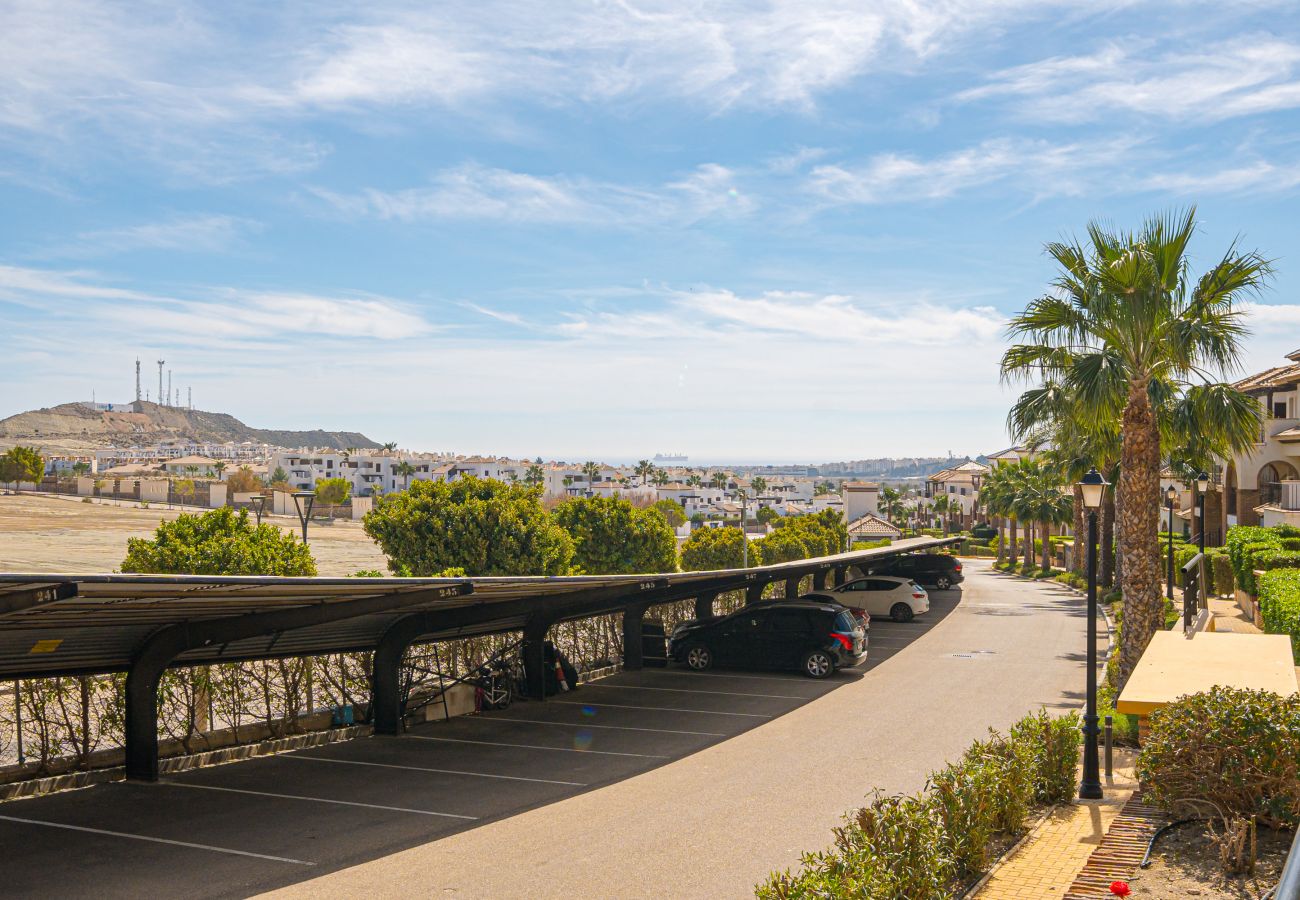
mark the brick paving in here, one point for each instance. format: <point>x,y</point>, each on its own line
<point>1047,863</point>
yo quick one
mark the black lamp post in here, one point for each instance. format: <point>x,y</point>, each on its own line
<point>260,508</point>
<point>1202,482</point>
<point>303,501</point>
<point>1171,497</point>
<point>1093,487</point>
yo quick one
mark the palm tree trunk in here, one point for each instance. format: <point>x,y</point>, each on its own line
<point>1079,556</point>
<point>1137,520</point>
<point>1106,574</point>
<point>1047,546</point>
<point>1002,538</point>
<point>1013,540</point>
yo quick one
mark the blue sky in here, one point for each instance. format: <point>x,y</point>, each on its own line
<point>748,231</point>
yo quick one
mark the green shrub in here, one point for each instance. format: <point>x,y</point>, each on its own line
<point>871,545</point>
<point>1279,605</point>
<point>1251,558</point>
<point>1287,531</point>
<point>1052,745</point>
<point>1182,556</point>
<point>1290,543</point>
<point>1241,541</point>
<point>1220,566</point>
<point>1227,751</point>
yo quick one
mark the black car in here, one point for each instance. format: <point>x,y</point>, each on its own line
<point>932,570</point>
<point>814,637</point>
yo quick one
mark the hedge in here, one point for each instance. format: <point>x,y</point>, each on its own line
<point>1279,605</point>
<point>930,845</point>
<point>1242,541</point>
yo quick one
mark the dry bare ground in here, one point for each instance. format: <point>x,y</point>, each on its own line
<point>63,534</point>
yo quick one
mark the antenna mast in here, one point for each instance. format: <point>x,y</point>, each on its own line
<point>171,398</point>
<point>137,379</point>
<point>160,381</point>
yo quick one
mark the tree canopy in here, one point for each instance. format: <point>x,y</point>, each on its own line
<point>220,542</point>
<point>21,464</point>
<point>672,512</point>
<point>479,525</point>
<point>823,533</point>
<point>717,548</point>
<point>782,545</point>
<point>333,491</point>
<point>612,537</point>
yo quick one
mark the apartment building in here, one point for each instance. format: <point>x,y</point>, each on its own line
<point>1261,485</point>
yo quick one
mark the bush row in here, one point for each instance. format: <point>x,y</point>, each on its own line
<point>931,844</point>
<point>1279,605</point>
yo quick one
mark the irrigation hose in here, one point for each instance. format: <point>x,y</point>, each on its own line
<point>1151,845</point>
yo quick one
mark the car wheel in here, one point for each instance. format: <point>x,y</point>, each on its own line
<point>900,612</point>
<point>818,664</point>
<point>698,657</point>
<point>943,582</point>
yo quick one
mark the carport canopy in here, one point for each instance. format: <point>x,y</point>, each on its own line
<point>70,624</point>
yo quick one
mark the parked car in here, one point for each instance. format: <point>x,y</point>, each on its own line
<point>815,637</point>
<point>901,599</point>
<point>933,570</point>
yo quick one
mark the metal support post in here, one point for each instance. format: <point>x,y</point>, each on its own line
<point>1110,734</point>
<point>534,651</point>
<point>754,592</point>
<point>792,586</point>
<point>839,576</point>
<point>704,605</point>
<point>819,580</point>
<point>633,617</point>
<point>1090,786</point>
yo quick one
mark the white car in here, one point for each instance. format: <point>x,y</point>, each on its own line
<point>900,599</point>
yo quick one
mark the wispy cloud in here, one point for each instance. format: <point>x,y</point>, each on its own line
<point>211,314</point>
<point>473,191</point>
<point>184,233</point>
<point>1198,83</point>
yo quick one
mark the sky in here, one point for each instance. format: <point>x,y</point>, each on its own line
<point>755,232</point>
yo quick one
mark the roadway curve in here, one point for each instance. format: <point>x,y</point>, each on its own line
<point>714,823</point>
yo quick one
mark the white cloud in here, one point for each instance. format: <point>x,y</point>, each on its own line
<point>1038,168</point>
<point>473,191</point>
<point>185,233</point>
<point>1199,83</point>
<point>219,315</point>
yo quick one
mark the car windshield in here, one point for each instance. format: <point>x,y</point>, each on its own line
<point>844,622</point>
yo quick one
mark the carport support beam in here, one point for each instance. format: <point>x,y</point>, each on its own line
<point>534,652</point>
<point>840,572</point>
<point>819,580</point>
<point>754,592</point>
<point>704,605</point>
<point>633,617</point>
<point>792,586</point>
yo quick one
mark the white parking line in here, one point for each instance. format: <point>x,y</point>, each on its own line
<point>707,712</point>
<point>643,687</point>
<point>589,725</point>
<point>420,812</point>
<point>158,840</point>
<point>786,678</point>
<point>357,762</point>
<point>425,737</point>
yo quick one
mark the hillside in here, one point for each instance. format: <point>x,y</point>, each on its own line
<point>75,426</point>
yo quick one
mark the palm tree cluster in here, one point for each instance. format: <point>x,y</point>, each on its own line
<point>1029,492</point>
<point>1128,354</point>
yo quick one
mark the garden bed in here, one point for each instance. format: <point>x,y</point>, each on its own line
<point>1186,864</point>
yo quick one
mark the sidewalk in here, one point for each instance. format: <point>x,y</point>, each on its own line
<point>1047,861</point>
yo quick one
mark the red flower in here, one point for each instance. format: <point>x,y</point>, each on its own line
<point>1120,888</point>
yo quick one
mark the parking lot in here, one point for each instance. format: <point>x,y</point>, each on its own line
<point>240,828</point>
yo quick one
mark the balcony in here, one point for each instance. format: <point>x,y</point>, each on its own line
<point>1271,428</point>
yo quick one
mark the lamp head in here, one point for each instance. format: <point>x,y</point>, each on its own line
<point>1093,487</point>
<point>1171,495</point>
<point>1203,481</point>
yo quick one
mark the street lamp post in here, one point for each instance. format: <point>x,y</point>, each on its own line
<point>1202,482</point>
<point>303,502</point>
<point>1093,487</point>
<point>1171,496</point>
<point>259,508</point>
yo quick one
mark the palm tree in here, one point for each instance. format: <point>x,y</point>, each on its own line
<point>388,447</point>
<point>940,508</point>
<point>719,480</point>
<point>759,484</point>
<point>1126,324</point>
<point>890,496</point>
<point>645,469</point>
<point>660,477</point>
<point>592,471</point>
<point>219,467</point>
<point>405,470</point>
<point>694,480</point>
<point>534,475</point>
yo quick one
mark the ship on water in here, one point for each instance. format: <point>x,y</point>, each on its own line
<point>672,459</point>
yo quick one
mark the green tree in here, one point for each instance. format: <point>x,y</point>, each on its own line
<point>759,485</point>
<point>21,464</point>
<point>890,497</point>
<point>782,545</point>
<point>389,446</point>
<point>824,533</point>
<point>243,481</point>
<point>660,477</point>
<point>279,476</point>
<point>220,542</point>
<point>219,468</point>
<point>185,489</point>
<point>592,471</point>
<point>717,548</point>
<point>644,469</point>
<point>80,469</point>
<point>694,480</point>
<point>719,480</point>
<point>672,512</point>
<point>767,515</point>
<point>1126,321</point>
<point>535,475</point>
<point>480,525</point>
<point>404,470</point>
<point>612,537</point>
<point>333,492</point>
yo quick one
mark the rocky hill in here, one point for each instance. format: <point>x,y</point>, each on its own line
<point>73,426</point>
